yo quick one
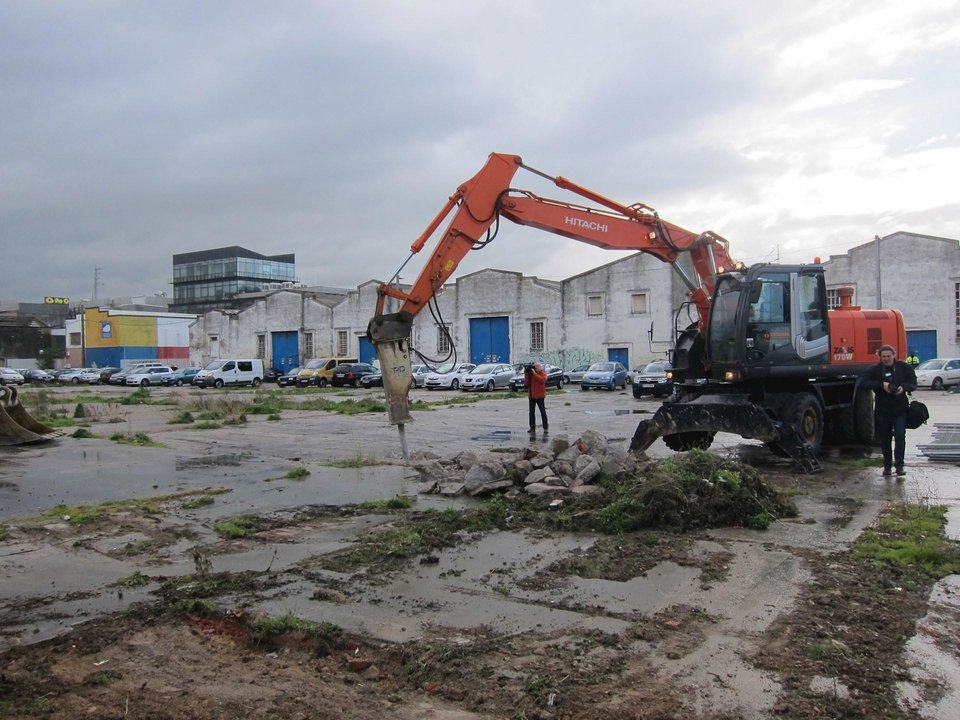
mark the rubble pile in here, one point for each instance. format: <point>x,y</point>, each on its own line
<point>560,468</point>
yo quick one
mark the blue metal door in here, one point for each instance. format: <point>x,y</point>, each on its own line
<point>923,342</point>
<point>620,355</point>
<point>368,353</point>
<point>489,340</point>
<point>285,348</point>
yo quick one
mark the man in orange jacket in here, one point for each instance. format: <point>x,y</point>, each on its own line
<point>536,382</point>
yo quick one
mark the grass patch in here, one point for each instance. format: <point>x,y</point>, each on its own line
<point>862,462</point>
<point>240,526</point>
<point>206,425</point>
<point>397,503</point>
<point>268,630</point>
<point>273,416</point>
<point>139,439</point>
<point>57,421</point>
<point>184,418</point>
<point>140,396</point>
<point>102,677</point>
<point>297,473</point>
<point>4,531</point>
<point>82,433</point>
<point>136,580</point>
<point>357,461</point>
<point>86,514</point>
<point>911,536</point>
<point>197,502</point>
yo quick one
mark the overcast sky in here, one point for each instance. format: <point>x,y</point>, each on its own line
<point>336,130</point>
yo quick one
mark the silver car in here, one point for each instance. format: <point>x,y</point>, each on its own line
<point>575,375</point>
<point>9,376</point>
<point>488,376</point>
<point>938,373</point>
<point>447,376</point>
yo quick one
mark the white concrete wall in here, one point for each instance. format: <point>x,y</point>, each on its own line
<point>918,275</point>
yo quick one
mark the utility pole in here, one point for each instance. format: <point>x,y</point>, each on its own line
<point>876,239</point>
<point>96,283</point>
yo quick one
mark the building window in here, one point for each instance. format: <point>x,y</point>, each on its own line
<point>443,340</point>
<point>956,306</point>
<point>594,305</point>
<point>342,347</point>
<point>261,346</point>
<point>833,298</point>
<point>307,346</point>
<point>536,336</point>
<point>638,304</point>
<point>75,339</point>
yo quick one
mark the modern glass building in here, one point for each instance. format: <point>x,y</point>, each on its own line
<point>210,279</point>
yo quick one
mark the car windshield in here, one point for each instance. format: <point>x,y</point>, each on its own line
<point>444,369</point>
<point>215,365</point>
<point>483,369</point>
<point>602,367</point>
<point>293,371</point>
<point>657,367</point>
<point>314,364</point>
<point>931,365</point>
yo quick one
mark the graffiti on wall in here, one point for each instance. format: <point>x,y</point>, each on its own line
<point>567,359</point>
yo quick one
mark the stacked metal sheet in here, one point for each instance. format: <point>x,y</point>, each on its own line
<point>946,443</point>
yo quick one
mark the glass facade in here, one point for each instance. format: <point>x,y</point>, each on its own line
<point>210,279</point>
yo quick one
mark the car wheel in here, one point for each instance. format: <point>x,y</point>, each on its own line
<point>218,383</point>
<point>565,380</point>
<point>144,382</point>
<point>179,383</point>
<point>937,384</point>
<point>613,385</point>
<point>76,381</point>
<point>256,382</point>
<point>454,384</point>
<point>583,388</point>
<point>491,386</point>
<point>321,382</point>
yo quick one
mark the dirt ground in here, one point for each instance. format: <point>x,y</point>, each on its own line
<point>148,610</point>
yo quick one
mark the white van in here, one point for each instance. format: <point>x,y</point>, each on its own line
<point>230,372</point>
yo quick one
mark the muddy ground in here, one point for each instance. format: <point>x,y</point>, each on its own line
<point>289,568</point>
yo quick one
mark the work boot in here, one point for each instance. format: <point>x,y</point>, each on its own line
<point>887,471</point>
<point>901,471</point>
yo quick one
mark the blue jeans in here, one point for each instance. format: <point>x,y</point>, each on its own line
<point>892,428</point>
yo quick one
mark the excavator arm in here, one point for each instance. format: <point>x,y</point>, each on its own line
<point>477,206</point>
<point>481,201</point>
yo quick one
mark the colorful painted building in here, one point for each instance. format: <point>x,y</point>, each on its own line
<point>103,337</point>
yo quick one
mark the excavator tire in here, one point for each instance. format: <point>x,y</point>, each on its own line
<point>17,426</point>
<point>682,442</point>
<point>804,413</point>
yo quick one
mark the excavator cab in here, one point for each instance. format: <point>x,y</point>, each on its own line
<point>771,316</point>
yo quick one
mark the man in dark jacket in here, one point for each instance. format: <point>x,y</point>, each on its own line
<point>891,380</point>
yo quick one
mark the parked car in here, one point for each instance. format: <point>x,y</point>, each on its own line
<point>554,378</point>
<point>320,371</point>
<point>149,376</point>
<point>90,376</point>
<point>419,373</point>
<point>181,377</point>
<point>938,373</point>
<point>35,375</point>
<point>575,375</point>
<point>271,375</point>
<point>370,380</point>
<point>488,376</point>
<point>120,377</point>
<point>652,380</point>
<point>289,377</point>
<point>350,373</point>
<point>447,376</point>
<point>609,375</point>
<point>9,376</point>
<point>106,373</point>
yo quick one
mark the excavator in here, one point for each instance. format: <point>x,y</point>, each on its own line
<point>766,358</point>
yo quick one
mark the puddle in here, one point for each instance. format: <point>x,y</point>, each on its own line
<point>616,411</point>
<point>184,463</point>
<point>499,436</point>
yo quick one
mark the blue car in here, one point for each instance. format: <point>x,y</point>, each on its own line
<point>609,375</point>
<point>181,377</point>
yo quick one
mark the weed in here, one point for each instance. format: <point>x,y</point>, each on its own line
<point>397,503</point>
<point>355,462</point>
<point>78,411</point>
<point>136,580</point>
<point>197,502</point>
<point>81,433</point>
<point>4,532</point>
<point>266,630</point>
<point>273,416</point>
<point>140,439</point>
<point>57,421</point>
<point>239,526</point>
<point>184,418</point>
<point>85,514</point>
<point>102,677</point>
<point>206,425</point>
<point>140,396</point>
<point>297,473</point>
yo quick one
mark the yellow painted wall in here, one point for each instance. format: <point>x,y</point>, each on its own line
<point>125,330</point>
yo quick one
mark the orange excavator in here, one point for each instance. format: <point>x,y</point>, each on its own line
<point>766,358</point>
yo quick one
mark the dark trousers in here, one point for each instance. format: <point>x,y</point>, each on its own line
<point>892,428</point>
<point>537,403</point>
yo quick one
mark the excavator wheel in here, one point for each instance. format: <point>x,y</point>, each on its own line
<point>682,442</point>
<point>804,413</point>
